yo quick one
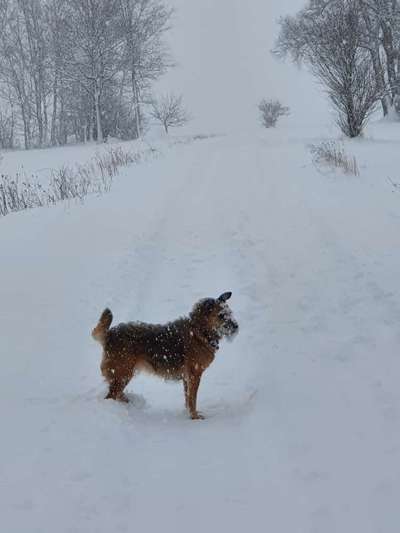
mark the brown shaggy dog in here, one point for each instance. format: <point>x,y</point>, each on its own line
<point>179,350</point>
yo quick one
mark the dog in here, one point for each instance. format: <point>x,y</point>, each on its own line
<point>180,350</point>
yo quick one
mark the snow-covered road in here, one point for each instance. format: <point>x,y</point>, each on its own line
<point>302,410</point>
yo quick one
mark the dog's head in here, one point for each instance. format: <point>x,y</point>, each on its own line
<point>216,317</point>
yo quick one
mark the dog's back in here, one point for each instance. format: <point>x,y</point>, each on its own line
<point>162,347</point>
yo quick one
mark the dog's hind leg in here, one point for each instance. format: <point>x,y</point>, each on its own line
<point>116,390</point>
<point>117,376</point>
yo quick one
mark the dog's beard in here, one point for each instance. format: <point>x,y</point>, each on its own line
<point>232,336</point>
<point>229,328</point>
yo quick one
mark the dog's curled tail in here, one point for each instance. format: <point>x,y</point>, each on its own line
<point>100,331</point>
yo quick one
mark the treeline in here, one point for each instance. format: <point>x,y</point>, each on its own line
<point>353,48</point>
<point>78,68</point>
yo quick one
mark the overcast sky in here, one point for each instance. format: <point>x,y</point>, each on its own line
<point>224,66</point>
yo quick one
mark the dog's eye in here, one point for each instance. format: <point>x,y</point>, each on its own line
<point>221,316</point>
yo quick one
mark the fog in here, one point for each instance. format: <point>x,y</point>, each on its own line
<point>224,65</point>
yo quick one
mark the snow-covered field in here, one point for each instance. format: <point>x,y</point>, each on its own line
<point>37,165</point>
<point>302,429</point>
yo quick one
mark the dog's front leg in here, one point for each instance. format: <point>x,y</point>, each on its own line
<point>193,387</point>
<point>185,388</point>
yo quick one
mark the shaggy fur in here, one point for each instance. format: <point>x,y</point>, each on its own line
<point>179,350</point>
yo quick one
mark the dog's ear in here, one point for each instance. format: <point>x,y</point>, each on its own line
<point>224,297</point>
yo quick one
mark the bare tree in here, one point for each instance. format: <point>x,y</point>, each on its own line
<point>143,23</point>
<point>36,43</point>
<point>271,111</point>
<point>15,82</point>
<point>169,111</point>
<point>382,39</point>
<point>56,17</point>
<point>7,129</point>
<point>372,43</point>
<point>94,44</point>
<point>331,42</point>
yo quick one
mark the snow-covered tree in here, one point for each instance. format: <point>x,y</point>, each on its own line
<point>79,67</point>
<point>382,40</point>
<point>330,36</point>
<point>379,35</point>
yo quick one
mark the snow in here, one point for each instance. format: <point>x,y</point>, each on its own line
<point>36,165</point>
<point>302,410</point>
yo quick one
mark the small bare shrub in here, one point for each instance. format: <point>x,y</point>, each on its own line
<point>169,111</point>
<point>108,163</point>
<point>271,111</point>
<point>333,154</point>
<point>394,184</point>
<point>66,184</point>
<point>16,195</point>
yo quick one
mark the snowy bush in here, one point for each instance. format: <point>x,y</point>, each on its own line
<point>271,111</point>
<point>333,154</point>
<point>93,177</point>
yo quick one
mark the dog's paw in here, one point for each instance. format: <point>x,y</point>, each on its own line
<point>197,416</point>
<point>123,398</point>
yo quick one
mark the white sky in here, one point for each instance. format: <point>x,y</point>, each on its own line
<point>222,48</point>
